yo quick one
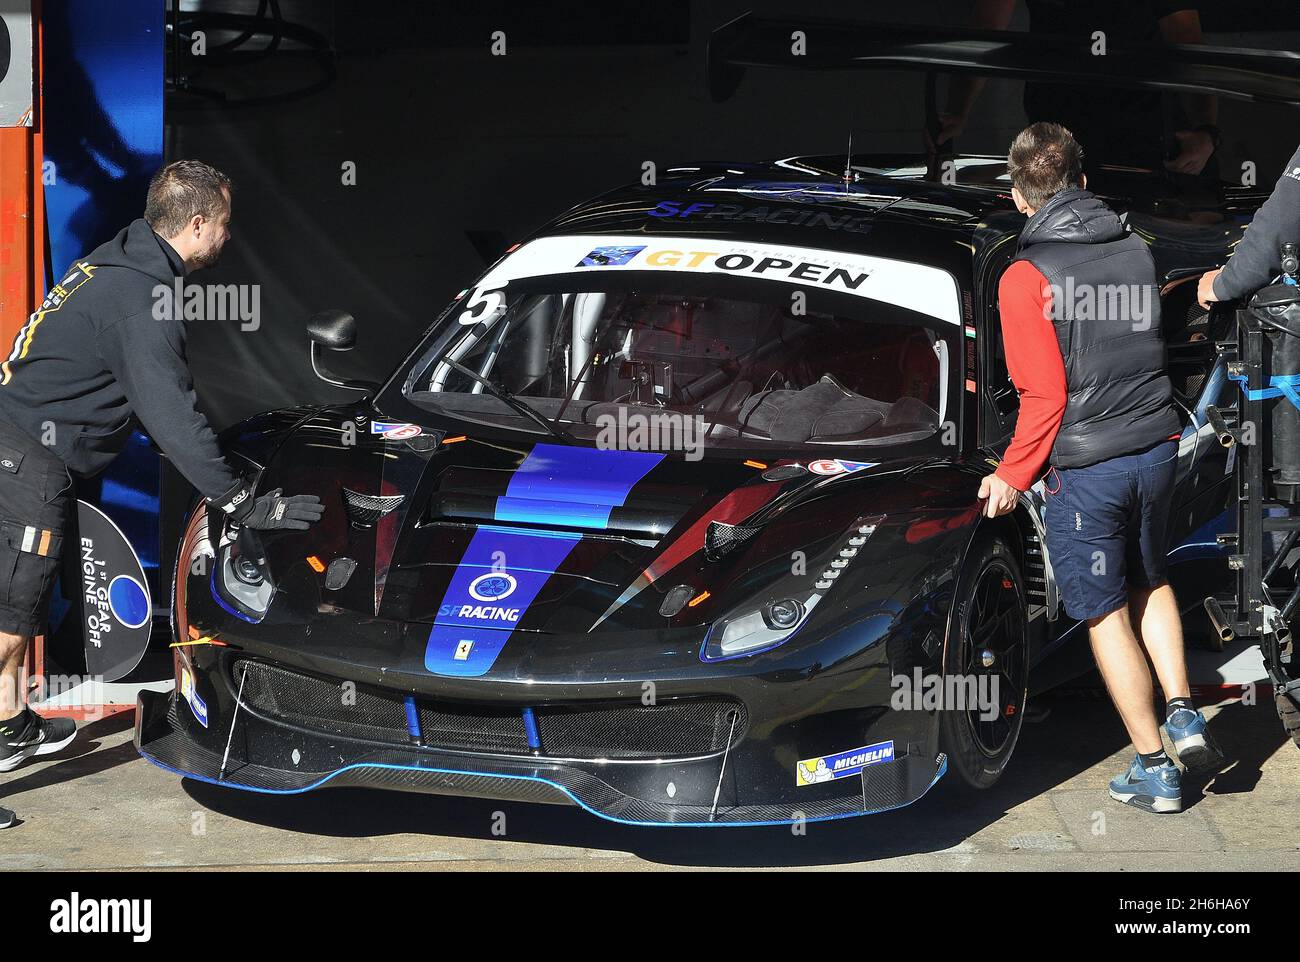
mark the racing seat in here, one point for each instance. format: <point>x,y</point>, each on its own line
<point>729,400</point>
<point>823,411</point>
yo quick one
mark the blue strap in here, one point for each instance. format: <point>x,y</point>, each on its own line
<point>1280,385</point>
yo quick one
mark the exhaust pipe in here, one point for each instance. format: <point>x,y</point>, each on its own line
<point>1219,619</point>
<point>1226,437</point>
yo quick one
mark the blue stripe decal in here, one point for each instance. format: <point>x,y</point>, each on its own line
<point>575,486</point>
<point>552,512</point>
<point>498,577</point>
<point>503,570</point>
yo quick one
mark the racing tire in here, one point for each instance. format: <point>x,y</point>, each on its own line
<point>1289,712</point>
<point>988,644</point>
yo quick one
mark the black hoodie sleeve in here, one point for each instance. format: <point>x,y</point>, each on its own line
<point>1256,260</point>
<point>147,357</point>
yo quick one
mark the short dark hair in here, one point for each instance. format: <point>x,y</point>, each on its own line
<point>1044,160</point>
<point>182,189</point>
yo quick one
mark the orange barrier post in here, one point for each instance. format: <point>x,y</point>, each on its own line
<point>22,238</point>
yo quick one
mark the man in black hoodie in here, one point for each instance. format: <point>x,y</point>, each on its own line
<point>104,352</point>
<point>1257,259</point>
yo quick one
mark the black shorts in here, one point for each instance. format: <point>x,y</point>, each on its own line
<point>35,497</point>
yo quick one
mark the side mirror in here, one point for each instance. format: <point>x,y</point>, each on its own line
<point>334,330</point>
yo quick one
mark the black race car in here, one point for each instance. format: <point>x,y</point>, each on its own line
<point>672,515</point>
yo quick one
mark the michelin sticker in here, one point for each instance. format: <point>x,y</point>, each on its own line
<point>395,430</point>
<point>197,704</point>
<point>830,767</point>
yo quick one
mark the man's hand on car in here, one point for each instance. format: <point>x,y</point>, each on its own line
<point>274,512</point>
<point>1205,295</point>
<point>999,497</point>
<point>1194,149</point>
<point>950,126</point>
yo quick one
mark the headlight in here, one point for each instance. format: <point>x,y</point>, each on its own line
<point>747,633</point>
<point>240,583</point>
<point>759,628</point>
<point>783,615</point>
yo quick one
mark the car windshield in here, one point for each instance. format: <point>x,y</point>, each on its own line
<point>755,362</point>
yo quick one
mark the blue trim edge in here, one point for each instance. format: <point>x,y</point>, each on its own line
<point>939,773</point>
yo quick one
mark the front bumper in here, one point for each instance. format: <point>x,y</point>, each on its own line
<point>257,752</point>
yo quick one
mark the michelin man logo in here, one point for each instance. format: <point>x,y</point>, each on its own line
<point>810,771</point>
<point>816,773</point>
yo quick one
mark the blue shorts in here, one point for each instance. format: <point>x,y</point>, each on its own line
<point>1107,528</point>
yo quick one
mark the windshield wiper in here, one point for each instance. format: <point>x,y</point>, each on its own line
<point>504,395</point>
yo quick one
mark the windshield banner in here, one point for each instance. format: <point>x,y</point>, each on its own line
<point>916,287</point>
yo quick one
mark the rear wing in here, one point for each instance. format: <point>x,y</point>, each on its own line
<point>1265,76</point>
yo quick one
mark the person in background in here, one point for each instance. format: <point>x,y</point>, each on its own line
<point>1256,260</point>
<point>1129,134</point>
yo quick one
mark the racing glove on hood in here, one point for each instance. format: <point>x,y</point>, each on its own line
<point>272,511</point>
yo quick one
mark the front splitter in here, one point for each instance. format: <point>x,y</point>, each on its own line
<point>160,741</point>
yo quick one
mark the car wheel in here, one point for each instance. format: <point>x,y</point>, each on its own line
<point>986,655</point>
<point>1289,712</point>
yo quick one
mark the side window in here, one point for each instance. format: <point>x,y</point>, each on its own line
<point>1000,388</point>
<point>999,400</point>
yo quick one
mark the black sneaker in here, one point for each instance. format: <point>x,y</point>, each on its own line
<point>31,735</point>
<point>6,817</point>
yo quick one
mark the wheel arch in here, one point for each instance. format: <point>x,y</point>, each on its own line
<point>1023,529</point>
<point>1024,533</point>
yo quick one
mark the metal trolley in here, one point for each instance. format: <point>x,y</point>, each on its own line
<point>1263,429</point>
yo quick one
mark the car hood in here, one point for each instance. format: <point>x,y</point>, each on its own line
<point>530,535</point>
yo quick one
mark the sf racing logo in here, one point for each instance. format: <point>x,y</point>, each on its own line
<point>486,588</point>
<point>493,586</point>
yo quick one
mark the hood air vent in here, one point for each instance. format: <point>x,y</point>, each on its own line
<point>365,509</point>
<point>721,539</point>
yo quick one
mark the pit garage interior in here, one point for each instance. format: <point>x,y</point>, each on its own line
<point>383,156</point>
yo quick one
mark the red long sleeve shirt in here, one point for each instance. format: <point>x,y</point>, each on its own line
<point>1037,370</point>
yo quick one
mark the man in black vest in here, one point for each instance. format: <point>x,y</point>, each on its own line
<point>1080,311</point>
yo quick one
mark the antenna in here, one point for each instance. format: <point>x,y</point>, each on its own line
<point>848,165</point>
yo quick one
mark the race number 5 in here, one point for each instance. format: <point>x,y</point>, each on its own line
<point>481,305</point>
